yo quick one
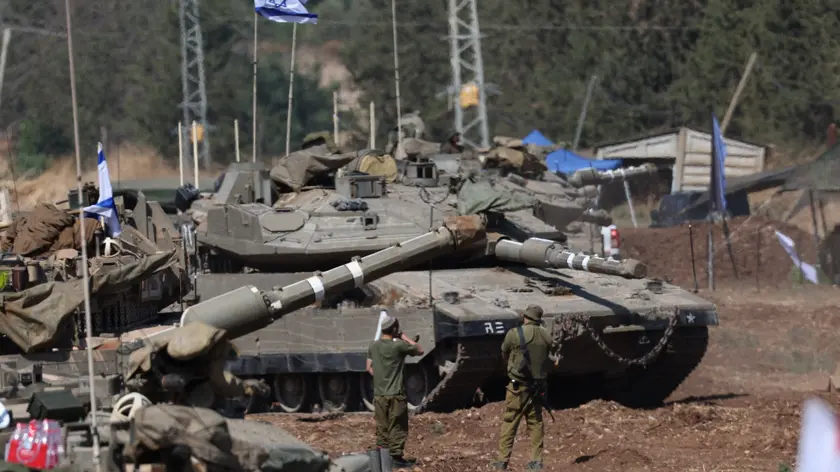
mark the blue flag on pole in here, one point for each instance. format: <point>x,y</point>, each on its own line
<point>105,207</point>
<point>717,186</point>
<point>285,11</point>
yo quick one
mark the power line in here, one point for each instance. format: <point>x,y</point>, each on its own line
<point>523,27</point>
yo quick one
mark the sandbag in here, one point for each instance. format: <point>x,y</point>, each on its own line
<point>373,163</point>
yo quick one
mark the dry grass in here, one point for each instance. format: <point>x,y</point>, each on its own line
<point>128,162</point>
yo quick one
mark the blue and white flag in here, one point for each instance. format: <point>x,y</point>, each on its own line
<point>808,271</point>
<point>717,187</point>
<point>105,207</point>
<point>285,11</point>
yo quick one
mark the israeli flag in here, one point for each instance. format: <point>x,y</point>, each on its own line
<point>105,207</point>
<point>285,11</point>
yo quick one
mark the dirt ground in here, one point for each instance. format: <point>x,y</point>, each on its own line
<point>739,411</point>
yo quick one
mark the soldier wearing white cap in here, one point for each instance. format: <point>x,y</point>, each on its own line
<point>386,363</point>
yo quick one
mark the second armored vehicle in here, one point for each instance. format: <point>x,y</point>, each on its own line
<point>636,339</point>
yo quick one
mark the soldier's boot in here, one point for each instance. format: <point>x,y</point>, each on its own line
<point>534,465</point>
<point>499,465</point>
<point>401,462</point>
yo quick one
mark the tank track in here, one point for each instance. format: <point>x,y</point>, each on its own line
<point>650,386</point>
<point>477,359</point>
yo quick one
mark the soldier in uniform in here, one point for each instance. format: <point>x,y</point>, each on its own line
<point>453,144</point>
<point>386,363</point>
<point>525,351</point>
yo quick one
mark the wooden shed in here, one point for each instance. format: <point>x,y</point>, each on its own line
<point>689,152</point>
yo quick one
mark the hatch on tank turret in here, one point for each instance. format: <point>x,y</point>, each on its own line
<point>420,173</point>
<point>244,182</point>
<point>360,186</point>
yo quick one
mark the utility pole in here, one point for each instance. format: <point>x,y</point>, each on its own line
<point>465,57</point>
<point>194,105</point>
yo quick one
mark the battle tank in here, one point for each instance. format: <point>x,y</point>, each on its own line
<point>156,367</point>
<point>132,277</point>
<point>639,338</point>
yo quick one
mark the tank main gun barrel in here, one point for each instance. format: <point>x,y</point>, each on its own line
<point>537,252</point>
<point>248,309</point>
<point>595,177</point>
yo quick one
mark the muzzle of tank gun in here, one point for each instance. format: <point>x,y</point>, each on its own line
<point>598,217</point>
<point>591,176</point>
<point>537,252</point>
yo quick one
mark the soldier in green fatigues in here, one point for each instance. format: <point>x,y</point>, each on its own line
<point>386,363</point>
<point>525,393</point>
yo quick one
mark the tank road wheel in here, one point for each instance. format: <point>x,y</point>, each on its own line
<point>366,390</point>
<point>419,382</point>
<point>291,391</point>
<point>336,391</point>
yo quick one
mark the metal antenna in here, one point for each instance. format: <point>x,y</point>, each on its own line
<point>465,52</point>
<point>194,105</point>
<point>83,238</point>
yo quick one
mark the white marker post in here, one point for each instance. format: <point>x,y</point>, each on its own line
<point>181,152</point>
<point>236,137</point>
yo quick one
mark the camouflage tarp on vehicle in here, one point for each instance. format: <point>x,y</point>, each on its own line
<point>479,196</point>
<point>300,167</point>
<point>44,230</point>
<point>32,317</point>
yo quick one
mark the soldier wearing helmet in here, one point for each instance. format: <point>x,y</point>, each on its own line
<point>525,351</point>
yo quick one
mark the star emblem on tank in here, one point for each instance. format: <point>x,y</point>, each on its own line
<point>690,318</point>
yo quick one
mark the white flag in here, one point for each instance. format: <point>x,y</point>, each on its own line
<point>819,442</point>
<point>285,11</point>
<point>808,271</point>
<point>382,315</point>
<point>105,206</point>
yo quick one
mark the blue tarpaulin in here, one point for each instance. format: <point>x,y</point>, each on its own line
<point>566,161</point>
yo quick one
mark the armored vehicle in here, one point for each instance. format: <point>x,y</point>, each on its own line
<point>132,277</point>
<point>205,437</point>
<point>638,338</point>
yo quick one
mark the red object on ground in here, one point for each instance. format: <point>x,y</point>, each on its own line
<point>37,445</point>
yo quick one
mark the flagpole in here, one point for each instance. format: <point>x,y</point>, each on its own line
<point>396,67</point>
<point>254,105</point>
<point>83,237</point>
<point>291,89</point>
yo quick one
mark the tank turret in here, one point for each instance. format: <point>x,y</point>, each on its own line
<point>248,309</point>
<point>536,252</point>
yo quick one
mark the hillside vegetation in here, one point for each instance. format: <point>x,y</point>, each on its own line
<point>660,64</point>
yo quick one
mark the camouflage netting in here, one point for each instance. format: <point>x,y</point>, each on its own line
<point>31,318</point>
<point>45,230</point>
<point>823,174</point>
<point>480,196</point>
